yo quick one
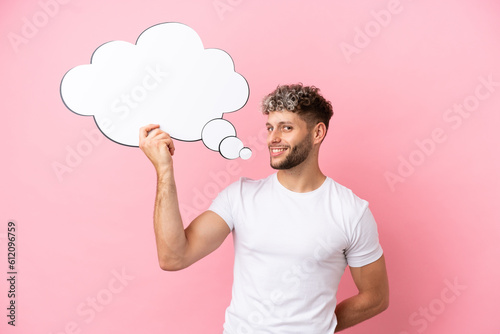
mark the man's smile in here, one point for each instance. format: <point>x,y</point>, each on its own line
<point>276,151</point>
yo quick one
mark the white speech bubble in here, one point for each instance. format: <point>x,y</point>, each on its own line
<point>245,153</point>
<point>166,78</point>
<point>230,147</point>
<point>215,131</point>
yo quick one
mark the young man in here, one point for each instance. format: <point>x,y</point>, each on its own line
<point>294,231</point>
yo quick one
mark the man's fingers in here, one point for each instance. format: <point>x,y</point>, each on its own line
<point>169,143</point>
<point>158,137</point>
<point>171,147</point>
<point>143,132</point>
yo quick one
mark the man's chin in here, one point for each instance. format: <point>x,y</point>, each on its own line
<point>274,166</point>
<point>278,165</point>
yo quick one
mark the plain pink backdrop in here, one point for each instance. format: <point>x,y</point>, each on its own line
<point>438,222</point>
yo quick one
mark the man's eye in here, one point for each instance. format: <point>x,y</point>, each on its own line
<point>269,129</point>
<point>287,128</point>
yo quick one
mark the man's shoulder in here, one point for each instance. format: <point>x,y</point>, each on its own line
<point>248,183</point>
<point>246,187</point>
<point>338,187</point>
<point>345,196</point>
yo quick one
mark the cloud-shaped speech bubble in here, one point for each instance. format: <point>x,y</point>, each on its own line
<point>166,78</point>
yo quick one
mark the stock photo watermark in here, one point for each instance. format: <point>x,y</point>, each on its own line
<point>94,304</point>
<point>31,26</point>
<point>454,117</point>
<point>222,7</point>
<point>364,35</point>
<point>12,238</point>
<point>75,154</point>
<point>422,318</point>
<point>128,101</point>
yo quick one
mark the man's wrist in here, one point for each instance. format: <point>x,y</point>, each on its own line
<point>165,176</point>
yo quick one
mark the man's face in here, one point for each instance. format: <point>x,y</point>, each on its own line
<point>289,140</point>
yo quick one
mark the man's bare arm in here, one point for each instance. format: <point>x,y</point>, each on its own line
<point>177,247</point>
<point>372,298</point>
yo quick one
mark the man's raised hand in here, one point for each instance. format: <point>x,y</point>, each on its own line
<point>158,147</point>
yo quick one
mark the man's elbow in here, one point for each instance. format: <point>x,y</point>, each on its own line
<point>169,267</point>
<point>171,264</point>
<point>383,303</point>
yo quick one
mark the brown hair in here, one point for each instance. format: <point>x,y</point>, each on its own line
<point>303,100</point>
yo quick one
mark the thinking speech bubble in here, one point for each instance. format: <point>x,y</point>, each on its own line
<point>166,78</point>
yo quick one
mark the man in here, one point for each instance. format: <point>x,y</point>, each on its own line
<point>294,231</point>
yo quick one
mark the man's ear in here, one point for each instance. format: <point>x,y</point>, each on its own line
<point>319,133</point>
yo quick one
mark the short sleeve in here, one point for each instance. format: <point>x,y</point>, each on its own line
<point>364,247</point>
<point>221,205</point>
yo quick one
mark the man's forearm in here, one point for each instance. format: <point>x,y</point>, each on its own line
<point>357,309</point>
<point>169,231</point>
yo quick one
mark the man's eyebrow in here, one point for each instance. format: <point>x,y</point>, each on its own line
<point>280,123</point>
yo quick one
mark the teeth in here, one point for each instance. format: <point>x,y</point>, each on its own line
<point>276,150</point>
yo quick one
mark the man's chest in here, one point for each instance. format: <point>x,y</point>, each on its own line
<point>290,229</point>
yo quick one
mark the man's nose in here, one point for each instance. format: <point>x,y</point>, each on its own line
<point>274,137</point>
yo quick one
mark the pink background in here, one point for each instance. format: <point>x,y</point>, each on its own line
<point>438,221</point>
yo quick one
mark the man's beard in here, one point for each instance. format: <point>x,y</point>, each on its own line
<point>296,156</point>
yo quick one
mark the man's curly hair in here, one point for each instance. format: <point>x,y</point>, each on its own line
<point>303,100</point>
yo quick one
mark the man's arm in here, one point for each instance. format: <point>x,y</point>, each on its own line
<point>372,298</point>
<point>177,247</point>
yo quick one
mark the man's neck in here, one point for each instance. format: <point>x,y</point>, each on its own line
<point>302,178</point>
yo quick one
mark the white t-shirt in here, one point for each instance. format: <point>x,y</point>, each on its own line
<point>291,250</point>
